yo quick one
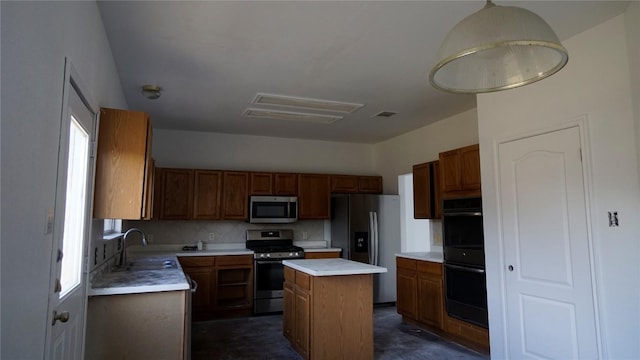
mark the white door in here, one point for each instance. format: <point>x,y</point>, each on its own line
<point>550,308</point>
<point>72,226</point>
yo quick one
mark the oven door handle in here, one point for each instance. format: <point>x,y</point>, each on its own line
<point>464,268</point>
<point>474,213</point>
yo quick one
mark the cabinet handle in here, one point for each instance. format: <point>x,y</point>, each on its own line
<point>510,267</point>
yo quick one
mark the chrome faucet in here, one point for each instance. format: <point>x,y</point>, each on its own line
<point>123,254</point>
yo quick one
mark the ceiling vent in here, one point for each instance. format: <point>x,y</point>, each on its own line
<point>385,114</point>
<point>306,103</point>
<point>289,115</point>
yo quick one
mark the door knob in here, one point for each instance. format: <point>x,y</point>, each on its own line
<point>510,268</point>
<point>63,317</point>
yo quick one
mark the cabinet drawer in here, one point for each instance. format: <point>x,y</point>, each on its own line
<point>470,332</point>
<point>405,263</point>
<point>197,261</point>
<point>289,275</point>
<point>428,267</point>
<point>322,255</point>
<point>227,260</point>
<point>303,280</point>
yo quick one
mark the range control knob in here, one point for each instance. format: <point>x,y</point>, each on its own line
<point>268,255</point>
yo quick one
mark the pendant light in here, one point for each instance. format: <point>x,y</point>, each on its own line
<point>497,48</point>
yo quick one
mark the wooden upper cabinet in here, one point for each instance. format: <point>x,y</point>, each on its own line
<point>207,191</point>
<point>370,184</point>
<point>352,184</point>
<point>176,194</point>
<point>314,196</point>
<point>261,183</point>
<point>426,191</point>
<point>344,184</point>
<point>460,172</point>
<point>123,166</point>
<point>235,202</point>
<point>285,184</point>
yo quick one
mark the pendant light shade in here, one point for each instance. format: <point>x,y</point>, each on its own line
<point>497,48</point>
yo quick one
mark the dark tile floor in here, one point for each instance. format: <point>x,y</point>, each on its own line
<point>261,337</point>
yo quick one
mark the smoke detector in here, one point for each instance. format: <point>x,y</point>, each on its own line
<point>151,92</point>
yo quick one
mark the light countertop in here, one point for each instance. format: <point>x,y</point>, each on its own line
<point>139,281</point>
<point>144,281</point>
<point>424,256</point>
<point>331,267</point>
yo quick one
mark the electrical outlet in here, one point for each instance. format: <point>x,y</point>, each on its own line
<point>212,236</point>
<point>149,238</point>
<point>305,236</point>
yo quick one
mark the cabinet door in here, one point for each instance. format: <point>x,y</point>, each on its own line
<point>201,300</point>
<point>422,191</point>
<point>302,322</point>
<point>261,183</point>
<point>122,156</point>
<point>426,191</point>
<point>470,164</point>
<point>344,184</point>
<point>149,193</point>
<point>285,184</point>
<point>370,184</point>
<point>430,309</point>
<point>235,202</point>
<point>450,171</point>
<point>460,172</point>
<point>206,200</point>
<point>407,293</point>
<point>314,196</point>
<point>288,319</point>
<point>177,194</point>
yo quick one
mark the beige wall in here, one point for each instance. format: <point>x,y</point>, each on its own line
<point>397,156</point>
<point>36,38</point>
<point>191,149</point>
<point>632,27</point>
<point>594,85</point>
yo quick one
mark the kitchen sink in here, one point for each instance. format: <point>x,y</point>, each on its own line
<point>139,265</point>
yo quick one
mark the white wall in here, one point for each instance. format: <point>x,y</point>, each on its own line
<point>36,37</point>
<point>192,149</point>
<point>595,83</point>
<point>397,156</point>
<point>632,18</point>
<point>415,234</point>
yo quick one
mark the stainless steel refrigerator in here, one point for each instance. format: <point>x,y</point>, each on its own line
<point>367,229</point>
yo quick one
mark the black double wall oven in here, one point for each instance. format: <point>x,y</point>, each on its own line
<point>464,266</point>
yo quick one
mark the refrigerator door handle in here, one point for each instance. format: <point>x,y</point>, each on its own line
<point>376,239</point>
<point>371,239</point>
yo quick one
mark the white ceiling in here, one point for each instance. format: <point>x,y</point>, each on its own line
<point>212,58</point>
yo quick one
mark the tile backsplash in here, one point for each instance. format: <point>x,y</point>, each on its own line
<point>189,232</point>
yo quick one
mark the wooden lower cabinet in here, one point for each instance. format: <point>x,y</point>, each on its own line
<point>329,317</point>
<point>119,326</point>
<point>407,287</point>
<point>430,294</point>
<point>322,255</point>
<point>225,285</point>
<point>420,301</point>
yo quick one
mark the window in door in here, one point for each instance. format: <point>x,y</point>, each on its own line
<point>75,205</point>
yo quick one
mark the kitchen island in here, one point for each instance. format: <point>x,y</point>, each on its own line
<point>328,308</point>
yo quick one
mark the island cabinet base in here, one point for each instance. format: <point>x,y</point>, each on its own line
<point>137,326</point>
<point>329,317</point>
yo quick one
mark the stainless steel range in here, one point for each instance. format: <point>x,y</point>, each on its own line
<point>270,248</point>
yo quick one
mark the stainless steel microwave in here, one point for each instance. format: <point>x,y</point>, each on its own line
<point>273,209</point>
